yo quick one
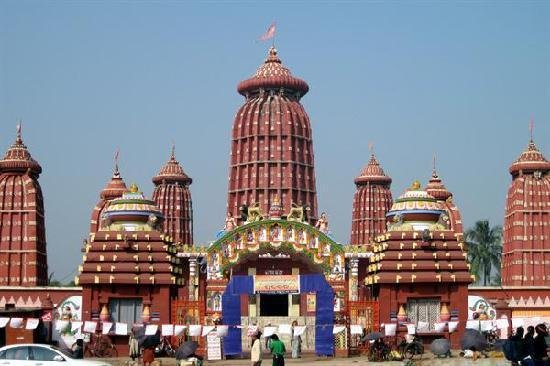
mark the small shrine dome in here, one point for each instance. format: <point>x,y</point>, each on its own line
<point>416,209</point>
<point>172,171</point>
<point>530,160</point>
<point>372,173</point>
<point>19,159</point>
<point>273,75</point>
<point>132,212</point>
<point>437,189</point>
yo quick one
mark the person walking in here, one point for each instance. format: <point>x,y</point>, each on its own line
<point>278,350</point>
<point>256,352</point>
<point>518,346</point>
<point>133,346</point>
<point>148,355</point>
<point>296,341</point>
<point>540,348</point>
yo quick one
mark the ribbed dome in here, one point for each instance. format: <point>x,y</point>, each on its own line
<point>18,158</point>
<point>115,188</point>
<point>531,159</point>
<point>373,172</point>
<point>416,205</point>
<point>273,75</point>
<point>436,188</point>
<point>132,207</point>
<point>172,172</point>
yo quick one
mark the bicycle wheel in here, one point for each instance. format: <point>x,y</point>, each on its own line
<point>110,351</point>
<point>409,351</point>
<point>88,351</point>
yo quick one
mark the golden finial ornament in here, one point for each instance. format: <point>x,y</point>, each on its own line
<point>134,188</point>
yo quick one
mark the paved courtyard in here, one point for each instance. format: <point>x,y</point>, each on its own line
<point>312,360</point>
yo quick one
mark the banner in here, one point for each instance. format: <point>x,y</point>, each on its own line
<point>284,284</point>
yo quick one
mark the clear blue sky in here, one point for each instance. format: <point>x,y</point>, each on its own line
<point>461,79</point>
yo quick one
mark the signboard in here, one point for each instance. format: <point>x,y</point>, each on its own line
<point>311,302</point>
<point>286,284</point>
<point>213,346</point>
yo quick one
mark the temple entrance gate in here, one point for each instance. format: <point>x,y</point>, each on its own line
<point>311,283</point>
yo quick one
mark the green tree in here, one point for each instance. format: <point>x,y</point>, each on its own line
<point>484,249</point>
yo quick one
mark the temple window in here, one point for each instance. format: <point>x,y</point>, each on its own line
<point>125,310</point>
<point>423,312</point>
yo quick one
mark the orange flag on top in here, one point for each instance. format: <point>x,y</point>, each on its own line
<point>270,33</point>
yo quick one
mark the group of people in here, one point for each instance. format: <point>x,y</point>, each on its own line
<point>276,347</point>
<point>530,348</point>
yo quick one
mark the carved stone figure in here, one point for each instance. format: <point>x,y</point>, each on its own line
<point>322,223</point>
<point>230,222</point>
<point>254,213</point>
<point>296,213</point>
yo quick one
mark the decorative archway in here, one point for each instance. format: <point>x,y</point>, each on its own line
<point>276,236</point>
<point>244,285</point>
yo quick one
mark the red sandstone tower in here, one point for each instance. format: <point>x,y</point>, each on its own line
<point>371,202</point>
<point>23,258</point>
<point>114,189</point>
<point>173,197</point>
<point>437,190</point>
<point>526,243</point>
<point>272,146</point>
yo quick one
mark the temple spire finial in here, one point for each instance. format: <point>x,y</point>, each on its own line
<point>19,138</point>
<point>434,170</point>
<point>173,151</point>
<point>117,153</point>
<point>531,128</point>
<point>371,147</point>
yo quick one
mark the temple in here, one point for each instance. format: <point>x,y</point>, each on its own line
<point>23,257</point>
<point>129,270</point>
<point>276,260</point>
<point>419,271</point>
<point>526,244</point>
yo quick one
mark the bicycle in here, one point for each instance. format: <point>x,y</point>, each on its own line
<point>100,346</point>
<point>412,348</point>
<point>164,348</point>
<point>379,351</point>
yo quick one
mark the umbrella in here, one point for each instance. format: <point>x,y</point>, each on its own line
<point>472,339</point>
<point>186,349</point>
<point>373,336</point>
<point>150,341</point>
<point>440,347</point>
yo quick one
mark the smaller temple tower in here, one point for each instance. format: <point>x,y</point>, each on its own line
<point>437,190</point>
<point>114,189</point>
<point>23,258</point>
<point>173,198</point>
<point>526,232</point>
<point>371,202</point>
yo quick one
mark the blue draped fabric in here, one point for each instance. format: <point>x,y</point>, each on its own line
<point>324,313</point>
<point>231,312</point>
<point>244,285</point>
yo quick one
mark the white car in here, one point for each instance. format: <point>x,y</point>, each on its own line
<point>41,355</point>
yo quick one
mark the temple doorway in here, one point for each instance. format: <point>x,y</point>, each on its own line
<point>274,304</point>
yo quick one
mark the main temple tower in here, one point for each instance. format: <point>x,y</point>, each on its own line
<point>173,197</point>
<point>526,239</point>
<point>23,258</point>
<point>371,202</point>
<point>272,145</point>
